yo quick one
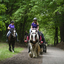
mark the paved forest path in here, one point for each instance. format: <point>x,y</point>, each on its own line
<point>53,56</point>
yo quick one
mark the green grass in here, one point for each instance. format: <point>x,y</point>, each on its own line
<point>5,53</point>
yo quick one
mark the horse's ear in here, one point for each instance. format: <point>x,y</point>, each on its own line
<point>31,30</point>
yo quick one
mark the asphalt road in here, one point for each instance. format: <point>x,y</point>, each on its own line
<point>53,56</point>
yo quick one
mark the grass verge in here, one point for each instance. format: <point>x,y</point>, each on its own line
<point>5,53</point>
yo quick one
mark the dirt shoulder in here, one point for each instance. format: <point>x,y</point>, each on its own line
<point>22,58</point>
<point>60,45</point>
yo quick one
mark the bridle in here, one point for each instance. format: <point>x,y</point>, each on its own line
<point>34,37</point>
<point>13,32</point>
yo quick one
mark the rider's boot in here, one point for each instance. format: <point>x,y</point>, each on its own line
<point>17,39</point>
<point>7,39</point>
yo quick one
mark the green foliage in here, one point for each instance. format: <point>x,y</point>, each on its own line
<point>2,8</point>
<point>48,12</point>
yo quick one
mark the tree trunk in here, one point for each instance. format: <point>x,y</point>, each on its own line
<point>56,36</point>
<point>62,28</point>
<point>23,28</point>
<point>62,31</point>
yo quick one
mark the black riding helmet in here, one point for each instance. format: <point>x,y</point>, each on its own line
<point>12,21</point>
<point>34,19</point>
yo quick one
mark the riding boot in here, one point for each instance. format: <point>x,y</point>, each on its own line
<point>17,39</point>
<point>7,39</point>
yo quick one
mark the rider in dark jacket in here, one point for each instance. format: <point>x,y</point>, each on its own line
<point>26,33</point>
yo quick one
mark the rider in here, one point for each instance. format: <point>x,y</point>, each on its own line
<point>26,33</point>
<point>11,26</point>
<point>36,25</point>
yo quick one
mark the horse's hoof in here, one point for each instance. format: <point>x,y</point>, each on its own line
<point>41,53</point>
<point>30,54</point>
<point>38,55</point>
<point>34,56</point>
<point>13,51</point>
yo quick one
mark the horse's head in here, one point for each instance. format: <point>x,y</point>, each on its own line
<point>34,36</point>
<point>13,32</point>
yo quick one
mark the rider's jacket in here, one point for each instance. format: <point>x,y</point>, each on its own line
<point>34,25</point>
<point>11,26</point>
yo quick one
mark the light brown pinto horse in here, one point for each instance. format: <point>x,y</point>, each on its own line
<point>34,44</point>
<point>11,40</point>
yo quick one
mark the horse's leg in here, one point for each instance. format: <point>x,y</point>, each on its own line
<point>10,46</point>
<point>30,53</point>
<point>35,51</point>
<point>41,49</point>
<point>13,46</point>
<point>28,48</point>
<point>9,41</point>
<point>38,50</point>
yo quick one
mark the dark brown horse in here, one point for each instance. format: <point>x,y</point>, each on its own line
<point>11,39</point>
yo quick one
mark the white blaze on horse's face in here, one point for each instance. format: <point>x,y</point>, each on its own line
<point>14,33</point>
<point>34,35</point>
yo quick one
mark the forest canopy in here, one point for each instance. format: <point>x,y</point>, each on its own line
<point>50,15</point>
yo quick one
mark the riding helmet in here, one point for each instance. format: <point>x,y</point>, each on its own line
<point>12,21</point>
<point>34,18</point>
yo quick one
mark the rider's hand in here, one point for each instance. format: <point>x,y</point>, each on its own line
<point>9,28</point>
<point>37,29</point>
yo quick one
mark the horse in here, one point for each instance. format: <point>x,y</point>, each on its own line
<point>11,39</point>
<point>34,44</point>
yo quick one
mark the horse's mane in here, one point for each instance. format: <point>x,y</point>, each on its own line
<point>12,30</point>
<point>36,23</point>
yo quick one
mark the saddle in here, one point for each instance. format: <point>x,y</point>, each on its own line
<point>40,39</point>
